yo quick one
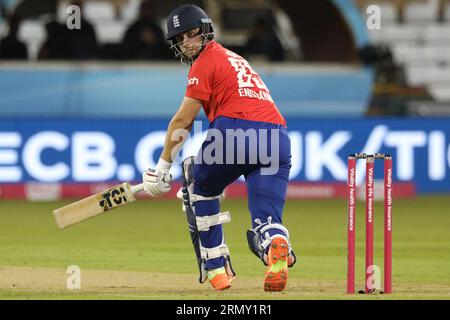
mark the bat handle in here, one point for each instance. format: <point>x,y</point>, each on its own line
<point>137,188</point>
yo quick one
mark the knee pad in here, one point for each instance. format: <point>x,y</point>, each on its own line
<point>197,224</point>
<point>259,240</point>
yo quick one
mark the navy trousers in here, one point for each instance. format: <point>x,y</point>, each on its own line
<point>228,152</point>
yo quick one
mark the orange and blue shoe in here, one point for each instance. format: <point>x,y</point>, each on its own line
<point>277,272</point>
<point>219,279</point>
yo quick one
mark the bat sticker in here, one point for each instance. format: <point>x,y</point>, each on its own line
<point>112,198</point>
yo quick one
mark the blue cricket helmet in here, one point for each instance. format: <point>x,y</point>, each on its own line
<point>187,17</point>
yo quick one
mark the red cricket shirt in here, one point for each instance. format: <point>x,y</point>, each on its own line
<point>228,86</point>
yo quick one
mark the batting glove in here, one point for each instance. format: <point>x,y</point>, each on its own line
<point>157,181</point>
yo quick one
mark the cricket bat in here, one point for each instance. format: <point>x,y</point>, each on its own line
<point>96,204</point>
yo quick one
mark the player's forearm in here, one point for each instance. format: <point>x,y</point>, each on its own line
<point>177,132</point>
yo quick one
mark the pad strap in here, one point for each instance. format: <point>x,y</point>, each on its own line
<point>197,197</point>
<point>205,222</point>
<point>216,252</point>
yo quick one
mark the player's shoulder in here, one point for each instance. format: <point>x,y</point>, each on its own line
<point>220,50</point>
<point>212,57</point>
<point>213,52</point>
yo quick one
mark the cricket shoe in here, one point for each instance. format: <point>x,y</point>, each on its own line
<point>219,279</point>
<point>277,272</point>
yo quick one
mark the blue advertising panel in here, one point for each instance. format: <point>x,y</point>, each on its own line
<point>157,91</point>
<point>102,150</point>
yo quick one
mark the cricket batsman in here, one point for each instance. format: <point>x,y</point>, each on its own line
<point>236,101</point>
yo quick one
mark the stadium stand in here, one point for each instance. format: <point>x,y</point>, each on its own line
<point>110,19</point>
<point>418,33</point>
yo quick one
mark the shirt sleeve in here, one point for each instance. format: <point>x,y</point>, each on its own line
<point>200,80</point>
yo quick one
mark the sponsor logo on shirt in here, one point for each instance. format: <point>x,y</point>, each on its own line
<point>192,81</point>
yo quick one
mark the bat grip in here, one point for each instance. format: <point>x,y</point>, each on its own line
<point>137,188</point>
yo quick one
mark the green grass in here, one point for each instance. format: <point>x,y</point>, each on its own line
<point>152,236</point>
